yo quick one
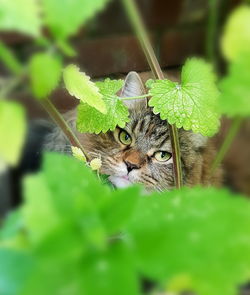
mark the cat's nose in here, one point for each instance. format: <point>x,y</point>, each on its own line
<point>131,166</point>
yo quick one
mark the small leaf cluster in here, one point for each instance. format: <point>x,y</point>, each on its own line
<point>89,239</point>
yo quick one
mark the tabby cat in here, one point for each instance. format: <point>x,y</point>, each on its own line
<point>141,152</point>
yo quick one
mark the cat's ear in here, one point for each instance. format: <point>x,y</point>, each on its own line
<point>199,141</point>
<point>133,86</point>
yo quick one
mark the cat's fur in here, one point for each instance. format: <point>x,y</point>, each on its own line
<point>149,134</point>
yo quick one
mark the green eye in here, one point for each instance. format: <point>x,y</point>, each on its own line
<point>125,138</point>
<point>162,156</point>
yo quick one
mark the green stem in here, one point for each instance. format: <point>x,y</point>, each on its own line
<point>212,31</point>
<point>136,21</point>
<point>59,120</point>
<point>234,128</point>
<point>135,97</point>
<point>10,86</point>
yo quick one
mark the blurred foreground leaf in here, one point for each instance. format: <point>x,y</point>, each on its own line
<point>20,15</point>
<point>84,238</point>
<point>12,131</point>
<point>235,88</point>
<point>236,38</point>
<point>45,73</point>
<point>202,234</point>
<point>91,120</point>
<point>65,17</point>
<point>191,104</point>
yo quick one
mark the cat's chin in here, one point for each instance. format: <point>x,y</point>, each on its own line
<point>120,181</point>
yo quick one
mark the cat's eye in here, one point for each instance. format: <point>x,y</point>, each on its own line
<point>125,138</point>
<point>162,156</point>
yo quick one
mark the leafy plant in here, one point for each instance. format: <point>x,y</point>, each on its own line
<point>74,235</point>
<point>235,89</point>
<point>87,238</point>
<point>90,120</point>
<point>191,104</point>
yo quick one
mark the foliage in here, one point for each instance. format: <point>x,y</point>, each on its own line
<point>193,233</point>
<point>235,88</point>
<point>87,238</point>
<point>191,105</point>
<point>45,73</point>
<point>79,85</point>
<point>90,120</point>
<point>9,59</point>
<point>12,131</point>
<point>236,37</point>
<point>21,16</point>
<point>65,17</point>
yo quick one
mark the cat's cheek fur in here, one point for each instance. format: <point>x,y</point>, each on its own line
<point>120,182</point>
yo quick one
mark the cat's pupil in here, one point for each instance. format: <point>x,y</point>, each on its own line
<point>163,154</point>
<point>126,137</point>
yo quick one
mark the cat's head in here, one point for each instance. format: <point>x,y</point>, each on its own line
<point>141,152</point>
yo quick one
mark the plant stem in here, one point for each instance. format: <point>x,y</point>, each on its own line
<point>136,21</point>
<point>10,86</point>
<point>135,97</point>
<point>212,31</point>
<point>234,128</point>
<point>59,120</point>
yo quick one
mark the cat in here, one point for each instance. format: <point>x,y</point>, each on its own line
<point>141,151</point>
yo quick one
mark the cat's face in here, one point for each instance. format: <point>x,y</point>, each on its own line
<point>141,152</point>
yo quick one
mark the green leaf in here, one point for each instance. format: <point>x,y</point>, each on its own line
<point>12,277</point>
<point>65,17</point>
<point>9,59</point>
<point>34,219</point>
<point>118,209</point>
<point>79,85</point>
<point>236,37</point>
<point>192,104</point>
<point>12,131</point>
<point>200,233</point>
<point>75,196</point>
<point>21,16</point>
<point>45,73</point>
<point>90,120</point>
<point>110,273</point>
<point>235,88</point>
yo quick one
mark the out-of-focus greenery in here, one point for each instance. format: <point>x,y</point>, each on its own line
<point>21,16</point>
<point>45,73</point>
<point>236,37</point>
<point>62,18</point>
<point>74,235</point>
<point>12,131</point>
<point>235,86</point>
<point>192,104</point>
